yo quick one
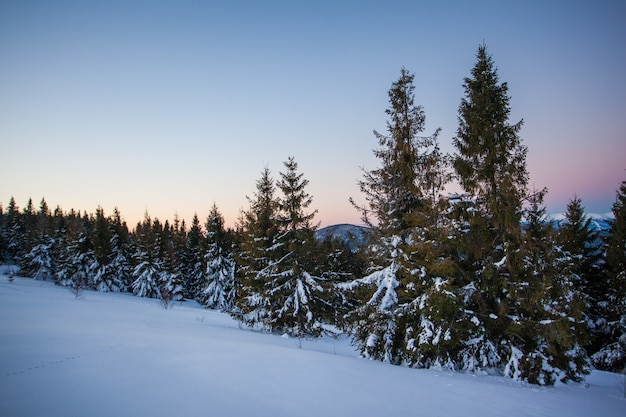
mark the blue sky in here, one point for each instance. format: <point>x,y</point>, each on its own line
<point>172,106</point>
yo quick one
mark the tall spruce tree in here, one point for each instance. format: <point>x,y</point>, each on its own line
<point>520,305</point>
<point>277,282</point>
<point>491,159</point>
<point>490,164</point>
<point>391,191</point>
<point>258,226</point>
<point>297,294</point>
<point>402,198</point>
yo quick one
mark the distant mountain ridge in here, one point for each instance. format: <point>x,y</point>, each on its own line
<point>599,223</point>
<point>356,236</point>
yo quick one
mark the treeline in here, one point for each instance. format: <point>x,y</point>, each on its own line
<point>480,282</point>
<point>206,262</point>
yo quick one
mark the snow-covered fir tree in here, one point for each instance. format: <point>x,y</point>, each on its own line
<point>491,166</point>
<point>3,244</point>
<point>13,233</point>
<point>524,315</point>
<point>582,256</point>
<point>373,323</point>
<point>29,235</point>
<point>612,354</point>
<point>178,240</point>
<point>545,308</point>
<point>296,293</point>
<point>108,274</point>
<point>77,263</point>
<point>192,260</point>
<point>258,227</point>
<point>391,191</point>
<point>218,289</point>
<point>40,260</point>
<point>120,264</point>
<point>280,290</point>
<point>149,267</point>
<point>402,196</point>
<point>171,283</point>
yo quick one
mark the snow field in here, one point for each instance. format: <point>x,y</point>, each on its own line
<point>119,355</point>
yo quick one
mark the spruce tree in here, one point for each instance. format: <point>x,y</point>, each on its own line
<point>170,283</point>
<point>612,355</point>
<point>391,191</point>
<point>576,235</point>
<point>490,164</point>
<point>77,257</point>
<point>491,160</point>
<point>120,264</point>
<point>39,261</point>
<point>148,258</point>
<point>295,292</point>
<point>44,219</point>
<point>522,310</point>
<point>277,279</point>
<point>402,197</point>
<point>295,199</point>
<point>192,265</point>
<point>3,234</point>
<point>259,226</point>
<point>218,289</point>
<point>29,236</point>
<point>14,230</point>
<point>546,330</point>
<point>103,277</point>
<point>582,257</point>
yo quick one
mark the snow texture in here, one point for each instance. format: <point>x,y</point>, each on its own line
<point>113,354</point>
<point>386,283</point>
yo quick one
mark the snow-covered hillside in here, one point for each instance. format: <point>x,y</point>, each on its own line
<point>109,354</point>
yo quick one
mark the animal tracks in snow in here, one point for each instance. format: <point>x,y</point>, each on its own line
<point>60,361</point>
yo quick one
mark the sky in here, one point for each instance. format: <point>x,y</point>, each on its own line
<point>169,107</point>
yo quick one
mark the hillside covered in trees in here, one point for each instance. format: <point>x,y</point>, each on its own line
<point>478,282</point>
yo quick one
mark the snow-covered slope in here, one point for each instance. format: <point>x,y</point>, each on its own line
<point>118,355</point>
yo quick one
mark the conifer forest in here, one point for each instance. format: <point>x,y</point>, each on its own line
<point>476,281</point>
